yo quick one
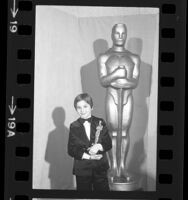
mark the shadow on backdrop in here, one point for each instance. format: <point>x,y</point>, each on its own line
<point>90,81</point>
<point>60,170</point>
<point>140,114</point>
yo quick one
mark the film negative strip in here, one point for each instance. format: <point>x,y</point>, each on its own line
<point>59,49</point>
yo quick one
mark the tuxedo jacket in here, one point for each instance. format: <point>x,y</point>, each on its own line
<point>79,143</point>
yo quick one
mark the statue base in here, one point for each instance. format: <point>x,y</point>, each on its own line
<point>124,184</point>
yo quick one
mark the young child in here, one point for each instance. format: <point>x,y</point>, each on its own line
<point>88,143</point>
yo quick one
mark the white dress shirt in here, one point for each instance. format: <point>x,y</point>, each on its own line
<point>87,126</point>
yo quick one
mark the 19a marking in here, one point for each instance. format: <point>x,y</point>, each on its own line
<point>11,120</point>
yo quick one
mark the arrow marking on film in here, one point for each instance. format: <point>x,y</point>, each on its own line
<point>12,108</point>
<point>14,10</point>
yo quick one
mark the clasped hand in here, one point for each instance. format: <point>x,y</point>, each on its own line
<point>121,72</point>
<point>93,152</point>
<point>96,157</point>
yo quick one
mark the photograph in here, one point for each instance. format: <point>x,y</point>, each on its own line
<point>95,98</point>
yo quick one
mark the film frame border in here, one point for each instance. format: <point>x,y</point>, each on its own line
<point>20,92</point>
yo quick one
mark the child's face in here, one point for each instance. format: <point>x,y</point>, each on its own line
<point>83,109</point>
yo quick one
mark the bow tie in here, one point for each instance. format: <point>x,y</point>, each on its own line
<point>84,120</point>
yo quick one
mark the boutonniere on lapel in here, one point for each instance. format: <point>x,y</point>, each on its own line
<point>98,131</point>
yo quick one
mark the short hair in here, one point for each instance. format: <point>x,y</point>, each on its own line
<point>85,97</point>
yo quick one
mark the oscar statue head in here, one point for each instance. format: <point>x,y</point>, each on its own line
<point>119,34</point>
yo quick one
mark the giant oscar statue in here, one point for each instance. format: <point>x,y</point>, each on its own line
<point>118,73</point>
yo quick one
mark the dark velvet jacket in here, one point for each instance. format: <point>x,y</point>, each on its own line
<point>78,143</point>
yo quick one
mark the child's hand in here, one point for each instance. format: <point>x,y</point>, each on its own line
<point>95,148</point>
<point>96,157</point>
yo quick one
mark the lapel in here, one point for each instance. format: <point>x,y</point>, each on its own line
<point>82,132</point>
<point>93,129</point>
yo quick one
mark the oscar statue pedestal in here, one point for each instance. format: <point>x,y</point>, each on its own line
<point>124,184</point>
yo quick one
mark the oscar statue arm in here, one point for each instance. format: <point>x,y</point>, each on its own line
<point>130,83</point>
<point>126,85</point>
<point>107,78</point>
<point>136,71</point>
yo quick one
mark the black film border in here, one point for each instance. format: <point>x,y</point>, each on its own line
<point>19,101</point>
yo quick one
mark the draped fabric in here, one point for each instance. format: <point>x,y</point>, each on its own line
<point>68,41</point>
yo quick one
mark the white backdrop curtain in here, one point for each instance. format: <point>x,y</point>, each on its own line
<point>67,43</point>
